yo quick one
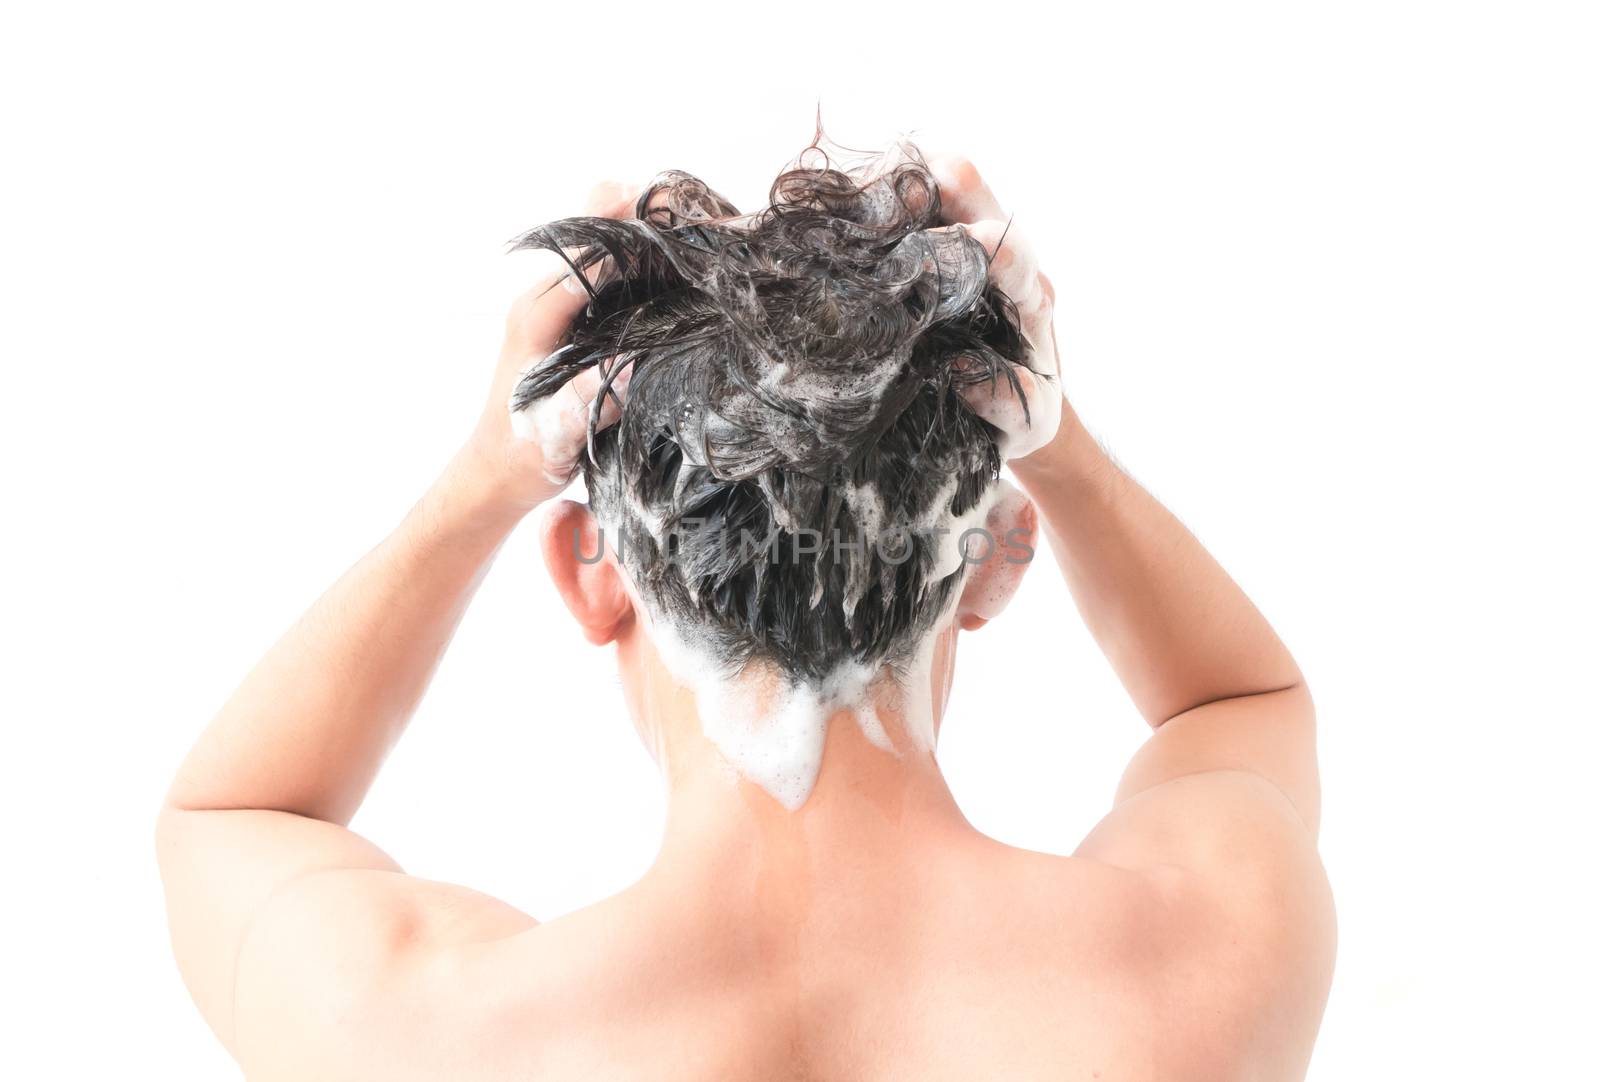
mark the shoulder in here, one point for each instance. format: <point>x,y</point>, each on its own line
<point>1227,855</point>
<point>1225,864</point>
<point>344,968</point>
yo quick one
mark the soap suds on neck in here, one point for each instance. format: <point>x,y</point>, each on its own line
<point>771,729</point>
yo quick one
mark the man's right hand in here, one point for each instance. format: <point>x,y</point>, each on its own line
<point>966,201</point>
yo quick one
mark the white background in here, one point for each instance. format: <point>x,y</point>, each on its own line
<point>1328,276</point>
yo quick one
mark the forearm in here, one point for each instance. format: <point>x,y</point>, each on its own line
<point>312,722</point>
<point>1177,629</point>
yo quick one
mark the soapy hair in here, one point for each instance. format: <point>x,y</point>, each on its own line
<point>794,385</point>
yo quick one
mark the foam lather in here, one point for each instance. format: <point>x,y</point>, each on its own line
<point>795,378</point>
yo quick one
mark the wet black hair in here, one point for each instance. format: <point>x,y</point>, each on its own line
<point>794,386</point>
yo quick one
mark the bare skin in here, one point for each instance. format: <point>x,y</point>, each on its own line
<point>873,934</point>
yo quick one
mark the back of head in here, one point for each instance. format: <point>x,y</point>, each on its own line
<point>793,466</point>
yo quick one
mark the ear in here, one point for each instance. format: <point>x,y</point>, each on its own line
<point>582,563</point>
<point>997,562</point>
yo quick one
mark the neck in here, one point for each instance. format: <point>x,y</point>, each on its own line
<point>875,795</point>
<point>864,795</point>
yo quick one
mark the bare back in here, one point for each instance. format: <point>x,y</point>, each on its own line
<point>966,959</point>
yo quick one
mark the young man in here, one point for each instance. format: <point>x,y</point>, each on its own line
<point>820,909</point>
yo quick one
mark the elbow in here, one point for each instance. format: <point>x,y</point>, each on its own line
<point>163,838</point>
<point>1287,689</point>
<point>168,836</point>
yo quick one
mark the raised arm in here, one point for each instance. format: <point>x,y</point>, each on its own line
<point>1196,656</point>
<point>264,883</point>
<point>1199,661</point>
<point>1216,816</point>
